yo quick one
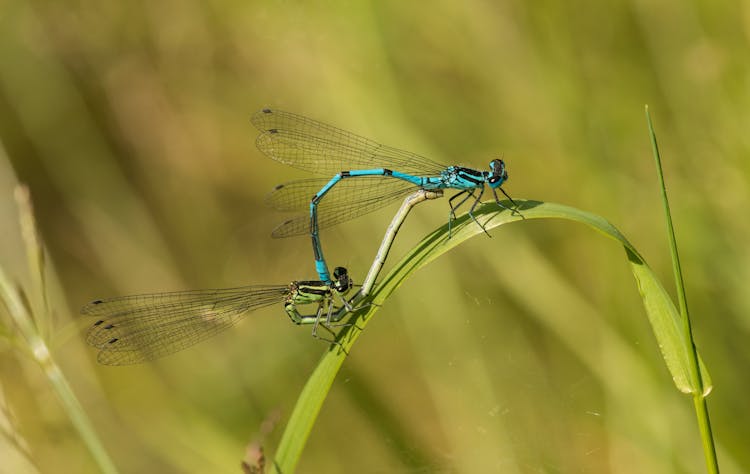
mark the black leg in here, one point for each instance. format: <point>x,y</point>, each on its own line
<point>508,196</point>
<point>515,208</point>
<point>471,211</point>
<point>452,215</point>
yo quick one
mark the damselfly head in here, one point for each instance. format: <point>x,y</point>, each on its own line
<point>499,173</point>
<point>341,280</point>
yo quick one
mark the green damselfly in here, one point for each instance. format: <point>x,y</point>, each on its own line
<point>139,328</point>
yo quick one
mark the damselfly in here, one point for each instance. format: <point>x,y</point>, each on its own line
<point>384,174</point>
<point>139,328</point>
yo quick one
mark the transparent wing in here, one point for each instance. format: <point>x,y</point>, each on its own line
<point>323,149</point>
<point>350,198</point>
<point>134,329</point>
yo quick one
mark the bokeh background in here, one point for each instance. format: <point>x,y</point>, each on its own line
<point>526,352</point>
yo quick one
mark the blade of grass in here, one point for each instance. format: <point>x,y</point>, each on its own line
<point>699,396</point>
<point>662,314</point>
<point>28,328</point>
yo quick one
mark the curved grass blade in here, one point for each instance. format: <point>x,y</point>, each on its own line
<point>662,314</point>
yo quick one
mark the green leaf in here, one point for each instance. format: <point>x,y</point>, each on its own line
<point>662,314</point>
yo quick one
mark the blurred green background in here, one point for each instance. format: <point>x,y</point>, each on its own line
<point>527,352</point>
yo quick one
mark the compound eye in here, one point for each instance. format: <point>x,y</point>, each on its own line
<point>494,179</point>
<point>342,282</point>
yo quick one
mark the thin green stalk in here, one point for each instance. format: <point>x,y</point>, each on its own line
<point>28,327</point>
<point>699,401</point>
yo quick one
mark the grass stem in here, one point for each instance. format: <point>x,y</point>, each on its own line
<point>699,396</point>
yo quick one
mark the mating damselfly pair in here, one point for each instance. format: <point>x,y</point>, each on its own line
<point>363,176</point>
